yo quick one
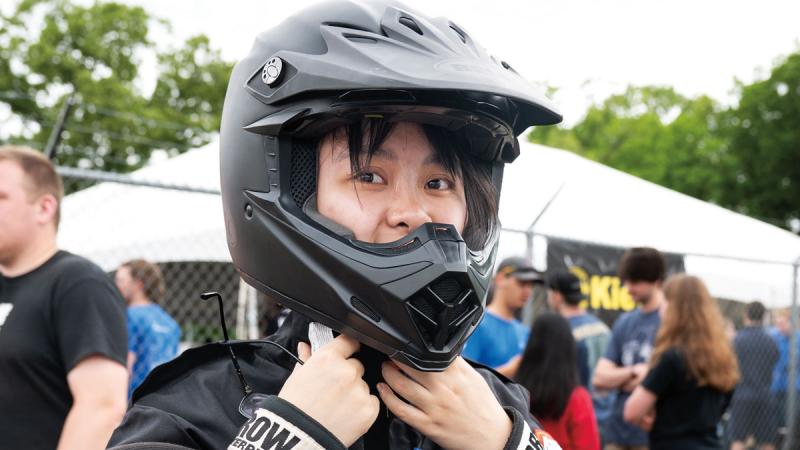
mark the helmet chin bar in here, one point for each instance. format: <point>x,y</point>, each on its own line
<point>416,299</point>
<point>440,307</point>
<point>440,310</point>
<point>445,309</point>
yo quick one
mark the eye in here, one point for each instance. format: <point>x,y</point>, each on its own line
<point>369,178</point>
<point>439,184</point>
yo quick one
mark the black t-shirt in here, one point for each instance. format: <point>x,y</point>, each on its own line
<point>686,414</point>
<point>50,319</point>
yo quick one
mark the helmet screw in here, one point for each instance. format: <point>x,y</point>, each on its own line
<point>248,211</point>
<point>272,71</point>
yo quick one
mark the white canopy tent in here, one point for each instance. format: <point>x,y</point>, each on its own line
<point>113,222</point>
<point>744,258</point>
<point>740,258</point>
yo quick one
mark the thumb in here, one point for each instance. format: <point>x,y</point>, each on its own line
<point>303,351</point>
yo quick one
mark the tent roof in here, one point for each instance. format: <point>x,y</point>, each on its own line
<point>595,203</point>
<point>111,222</point>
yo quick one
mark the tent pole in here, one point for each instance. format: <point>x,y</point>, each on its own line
<point>529,245</point>
<point>792,392</point>
<point>546,207</point>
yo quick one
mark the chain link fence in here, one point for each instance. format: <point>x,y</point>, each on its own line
<point>170,215</point>
<point>757,416</point>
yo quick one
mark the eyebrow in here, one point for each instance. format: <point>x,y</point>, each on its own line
<point>432,159</point>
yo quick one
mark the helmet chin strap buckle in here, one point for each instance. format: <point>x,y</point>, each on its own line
<point>319,335</point>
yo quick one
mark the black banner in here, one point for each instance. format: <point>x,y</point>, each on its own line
<point>596,267</point>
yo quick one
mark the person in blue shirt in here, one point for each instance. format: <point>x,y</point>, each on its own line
<point>153,336</point>
<point>624,366</point>
<point>500,338</point>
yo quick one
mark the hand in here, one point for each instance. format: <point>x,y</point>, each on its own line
<point>647,421</point>
<point>328,387</point>
<point>455,408</point>
<point>639,371</point>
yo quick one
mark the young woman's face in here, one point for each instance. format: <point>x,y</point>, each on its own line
<point>403,187</point>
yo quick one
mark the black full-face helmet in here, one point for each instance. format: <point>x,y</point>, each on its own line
<point>331,65</point>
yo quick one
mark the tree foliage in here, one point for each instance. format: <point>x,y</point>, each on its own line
<point>745,157</point>
<point>95,53</point>
<point>765,143</point>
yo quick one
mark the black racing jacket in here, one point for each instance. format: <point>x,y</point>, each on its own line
<point>194,402</point>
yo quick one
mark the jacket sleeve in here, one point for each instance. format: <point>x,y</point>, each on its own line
<point>523,437</point>
<point>145,427</point>
<point>278,424</point>
<point>526,432</point>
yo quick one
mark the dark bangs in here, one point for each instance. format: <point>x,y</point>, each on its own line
<point>453,151</point>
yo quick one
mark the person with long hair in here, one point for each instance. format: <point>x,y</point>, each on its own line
<point>693,371</point>
<point>549,371</point>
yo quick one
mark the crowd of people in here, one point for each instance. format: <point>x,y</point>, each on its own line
<point>661,377</point>
<point>664,376</point>
<point>375,244</point>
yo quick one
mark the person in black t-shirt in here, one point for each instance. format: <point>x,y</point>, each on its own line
<point>62,323</point>
<point>692,373</point>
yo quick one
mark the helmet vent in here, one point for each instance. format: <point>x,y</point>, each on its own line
<point>390,251</point>
<point>441,310</point>
<point>346,25</point>
<point>377,96</point>
<point>303,179</point>
<point>447,289</point>
<point>365,309</point>
<point>409,22</point>
<point>459,32</point>
<point>360,39</point>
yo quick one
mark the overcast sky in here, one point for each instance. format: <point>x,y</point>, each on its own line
<point>586,48</point>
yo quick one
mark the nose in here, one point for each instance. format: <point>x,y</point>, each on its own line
<point>407,212</point>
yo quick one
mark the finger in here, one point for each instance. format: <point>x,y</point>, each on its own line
<point>343,346</point>
<point>426,379</point>
<point>402,410</point>
<point>357,366</point>
<point>303,351</point>
<point>374,407</point>
<point>407,388</point>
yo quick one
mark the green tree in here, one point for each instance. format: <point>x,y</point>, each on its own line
<point>654,133</point>
<point>764,132</point>
<point>95,52</point>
